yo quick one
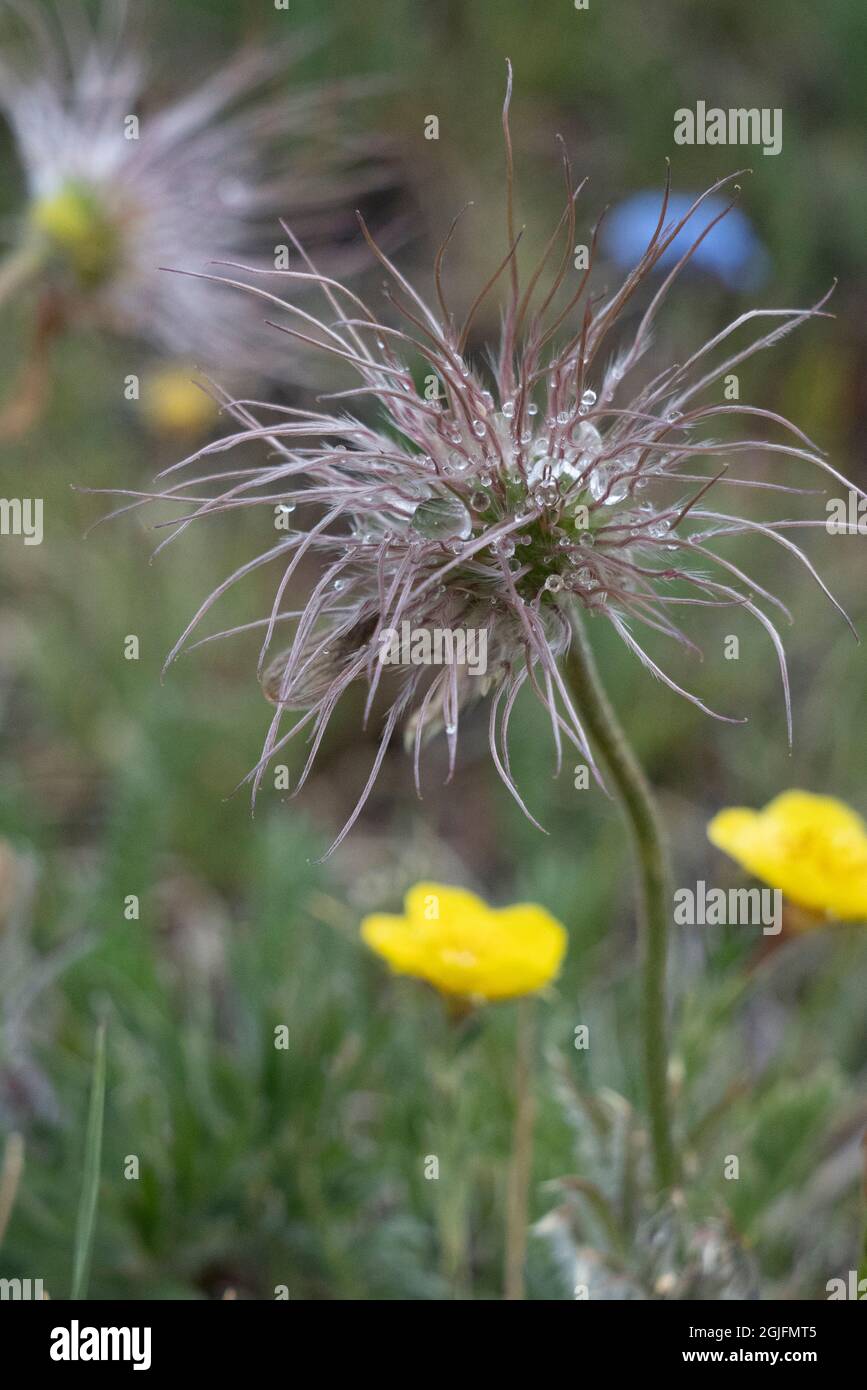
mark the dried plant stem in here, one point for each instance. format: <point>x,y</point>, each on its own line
<point>18,268</point>
<point>29,390</point>
<point>520,1170</point>
<point>637,805</point>
<point>10,1177</point>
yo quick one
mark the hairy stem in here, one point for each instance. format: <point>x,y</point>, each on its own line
<point>639,810</point>
<point>520,1169</point>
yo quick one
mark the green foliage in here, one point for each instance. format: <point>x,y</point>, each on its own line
<point>90,1178</point>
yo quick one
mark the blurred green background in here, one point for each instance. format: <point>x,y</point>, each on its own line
<point>305,1167</point>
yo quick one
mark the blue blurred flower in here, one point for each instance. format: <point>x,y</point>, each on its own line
<point>732,252</point>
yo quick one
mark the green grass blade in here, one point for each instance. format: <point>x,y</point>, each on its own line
<point>86,1223</point>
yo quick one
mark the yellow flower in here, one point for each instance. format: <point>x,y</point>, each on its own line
<point>813,848</point>
<point>467,949</point>
<point>172,404</point>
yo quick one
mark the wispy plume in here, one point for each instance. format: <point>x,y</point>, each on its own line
<point>120,186</point>
<point>506,498</point>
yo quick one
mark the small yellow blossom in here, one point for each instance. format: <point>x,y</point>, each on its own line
<point>172,404</point>
<point>467,949</point>
<point>813,848</point>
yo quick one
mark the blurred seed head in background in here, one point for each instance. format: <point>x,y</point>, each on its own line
<point>121,183</point>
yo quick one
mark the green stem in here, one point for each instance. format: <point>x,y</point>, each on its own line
<point>87,1203</point>
<point>453,1194</point>
<point>637,804</point>
<point>521,1165</point>
<point>18,268</point>
<point>862,1263</point>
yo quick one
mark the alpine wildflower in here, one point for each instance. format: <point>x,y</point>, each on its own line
<point>732,253</point>
<point>511,496</point>
<point>174,405</point>
<point>118,187</point>
<point>509,502</point>
<point>466,949</point>
<point>812,848</point>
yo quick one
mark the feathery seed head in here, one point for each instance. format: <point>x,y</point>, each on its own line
<point>502,502</point>
<point>119,187</point>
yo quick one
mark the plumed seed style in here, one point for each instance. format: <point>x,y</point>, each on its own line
<point>120,187</point>
<point>524,493</point>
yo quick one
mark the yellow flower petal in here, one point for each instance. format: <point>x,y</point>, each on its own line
<point>393,939</point>
<point>454,941</point>
<point>813,848</point>
<point>427,901</point>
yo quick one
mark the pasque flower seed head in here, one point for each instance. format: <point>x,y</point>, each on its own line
<point>506,500</point>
